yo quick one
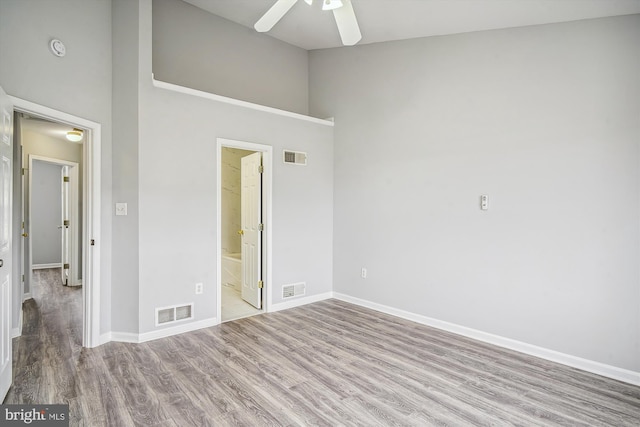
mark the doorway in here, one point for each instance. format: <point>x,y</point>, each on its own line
<point>244,214</point>
<point>50,215</point>
<point>88,223</point>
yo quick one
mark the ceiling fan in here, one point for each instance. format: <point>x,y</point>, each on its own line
<point>342,12</point>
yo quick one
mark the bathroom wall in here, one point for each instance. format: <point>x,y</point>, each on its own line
<point>231,200</point>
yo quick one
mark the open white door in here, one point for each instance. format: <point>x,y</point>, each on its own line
<point>251,220</point>
<point>6,198</point>
<point>64,227</point>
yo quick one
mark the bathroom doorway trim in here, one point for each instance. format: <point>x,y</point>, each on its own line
<point>267,183</point>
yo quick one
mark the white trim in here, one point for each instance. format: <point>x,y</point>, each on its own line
<point>91,211</point>
<point>160,333</point>
<point>73,215</point>
<point>26,296</point>
<point>16,332</point>
<point>119,337</point>
<point>267,186</point>
<point>608,371</point>
<point>297,302</point>
<point>43,266</point>
<point>219,98</point>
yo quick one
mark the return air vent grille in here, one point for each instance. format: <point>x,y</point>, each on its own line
<point>293,290</point>
<point>172,314</point>
<point>295,157</point>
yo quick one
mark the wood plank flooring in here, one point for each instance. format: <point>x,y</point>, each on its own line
<point>324,364</point>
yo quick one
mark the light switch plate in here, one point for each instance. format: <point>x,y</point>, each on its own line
<point>121,208</point>
<point>484,202</point>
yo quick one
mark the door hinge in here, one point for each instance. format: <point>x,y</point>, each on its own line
<point>65,179</point>
<point>93,242</point>
<point>65,266</point>
<point>260,227</point>
<point>260,169</point>
<point>23,277</point>
<point>66,223</point>
<point>23,225</point>
<point>23,169</point>
<point>260,284</point>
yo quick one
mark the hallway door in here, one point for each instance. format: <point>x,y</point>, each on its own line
<point>251,221</point>
<point>6,198</point>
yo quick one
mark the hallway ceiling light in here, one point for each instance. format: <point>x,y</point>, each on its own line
<point>75,135</point>
<point>342,12</point>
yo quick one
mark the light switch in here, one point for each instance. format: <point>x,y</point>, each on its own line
<point>121,208</point>
<point>484,202</point>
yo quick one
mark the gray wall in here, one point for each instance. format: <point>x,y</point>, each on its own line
<point>542,119</point>
<point>125,169</point>
<point>46,213</point>
<point>222,57</point>
<point>178,204</point>
<point>79,83</point>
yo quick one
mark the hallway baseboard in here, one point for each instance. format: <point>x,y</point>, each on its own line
<point>43,266</point>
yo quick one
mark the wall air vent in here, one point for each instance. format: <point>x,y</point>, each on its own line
<point>295,157</point>
<point>175,313</point>
<point>293,290</point>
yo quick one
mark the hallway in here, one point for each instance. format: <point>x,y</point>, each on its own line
<point>47,355</point>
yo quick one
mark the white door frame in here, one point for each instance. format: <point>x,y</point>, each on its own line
<point>73,213</point>
<point>91,161</point>
<point>267,182</point>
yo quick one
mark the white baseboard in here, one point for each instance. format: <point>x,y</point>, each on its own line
<point>26,296</point>
<point>297,302</point>
<point>16,332</point>
<point>160,333</point>
<point>609,371</point>
<point>119,337</point>
<point>43,266</point>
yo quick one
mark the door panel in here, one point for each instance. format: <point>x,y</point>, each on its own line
<point>251,218</point>
<point>6,174</point>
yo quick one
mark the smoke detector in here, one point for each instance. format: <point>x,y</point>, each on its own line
<point>57,48</point>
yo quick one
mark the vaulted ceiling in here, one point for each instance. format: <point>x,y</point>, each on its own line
<point>383,20</point>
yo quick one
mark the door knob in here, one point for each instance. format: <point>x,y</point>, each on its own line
<point>25,234</point>
<point>241,232</point>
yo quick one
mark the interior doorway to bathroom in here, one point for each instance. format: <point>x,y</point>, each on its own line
<point>242,218</point>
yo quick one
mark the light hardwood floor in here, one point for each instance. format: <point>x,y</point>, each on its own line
<point>326,364</point>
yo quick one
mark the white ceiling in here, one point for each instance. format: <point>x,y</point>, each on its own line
<point>45,127</point>
<point>383,20</point>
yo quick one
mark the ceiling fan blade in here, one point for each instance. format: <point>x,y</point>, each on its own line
<point>273,15</point>
<point>347,24</point>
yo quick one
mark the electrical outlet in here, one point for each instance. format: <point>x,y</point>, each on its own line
<point>363,273</point>
<point>199,289</point>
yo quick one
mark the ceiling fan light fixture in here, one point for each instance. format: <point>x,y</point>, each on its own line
<point>331,4</point>
<point>75,135</point>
